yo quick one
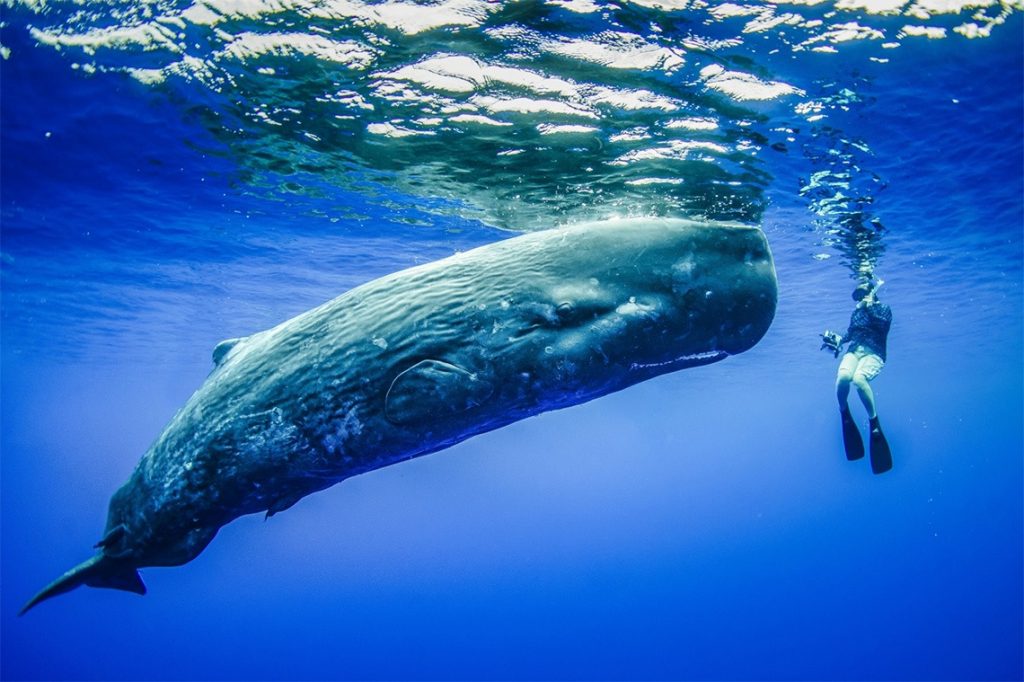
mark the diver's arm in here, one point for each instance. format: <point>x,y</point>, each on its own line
<point>870,298</point>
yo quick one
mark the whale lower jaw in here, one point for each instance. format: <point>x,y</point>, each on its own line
<point>683,361</point>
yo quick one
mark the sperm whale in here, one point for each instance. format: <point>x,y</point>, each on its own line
<point>424,358</point>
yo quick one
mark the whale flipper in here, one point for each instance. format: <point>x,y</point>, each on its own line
<point>221,350</point>
<point>431,389</point>
<point>99,571</point>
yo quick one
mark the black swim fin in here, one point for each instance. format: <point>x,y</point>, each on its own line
<point>881,456</point>
<point>852,441</point>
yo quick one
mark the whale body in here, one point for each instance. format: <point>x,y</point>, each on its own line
<point>419,360</point>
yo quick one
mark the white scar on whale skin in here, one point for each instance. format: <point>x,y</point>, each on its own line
<point>421,359</point>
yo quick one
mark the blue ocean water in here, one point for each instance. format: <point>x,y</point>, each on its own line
<point>173,174</point>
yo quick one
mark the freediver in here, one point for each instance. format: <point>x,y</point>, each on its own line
<point>861,363</point>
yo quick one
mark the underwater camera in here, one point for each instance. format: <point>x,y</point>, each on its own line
<point>832,342</point>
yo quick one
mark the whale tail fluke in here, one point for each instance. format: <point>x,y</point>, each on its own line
<point>99,571</point>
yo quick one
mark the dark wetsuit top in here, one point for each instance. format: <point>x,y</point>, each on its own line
<point>869,327</point>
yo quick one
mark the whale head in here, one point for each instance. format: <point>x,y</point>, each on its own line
<point>576,313</point>
<point>637,298</point>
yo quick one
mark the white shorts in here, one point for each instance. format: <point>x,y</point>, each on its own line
<point>860,360</point>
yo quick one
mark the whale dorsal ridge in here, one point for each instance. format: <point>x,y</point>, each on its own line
<point>431,390</point>
<point>221,350</point>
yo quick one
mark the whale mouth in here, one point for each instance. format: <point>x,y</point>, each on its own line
<point>689,360</point>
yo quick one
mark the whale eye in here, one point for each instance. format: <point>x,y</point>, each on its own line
<point>581,311</point>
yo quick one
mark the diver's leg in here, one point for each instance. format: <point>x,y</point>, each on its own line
<point>843,378</point>
<point>852,442</point>
<point>867,396</point>
<point>866,370</point>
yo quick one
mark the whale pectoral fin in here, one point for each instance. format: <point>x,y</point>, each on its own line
<point>221,350</point>
<point>432,389</point>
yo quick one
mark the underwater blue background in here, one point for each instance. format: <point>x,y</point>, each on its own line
<point>701,525</point>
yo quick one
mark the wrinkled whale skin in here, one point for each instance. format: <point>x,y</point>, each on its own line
<point>419,360</point>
